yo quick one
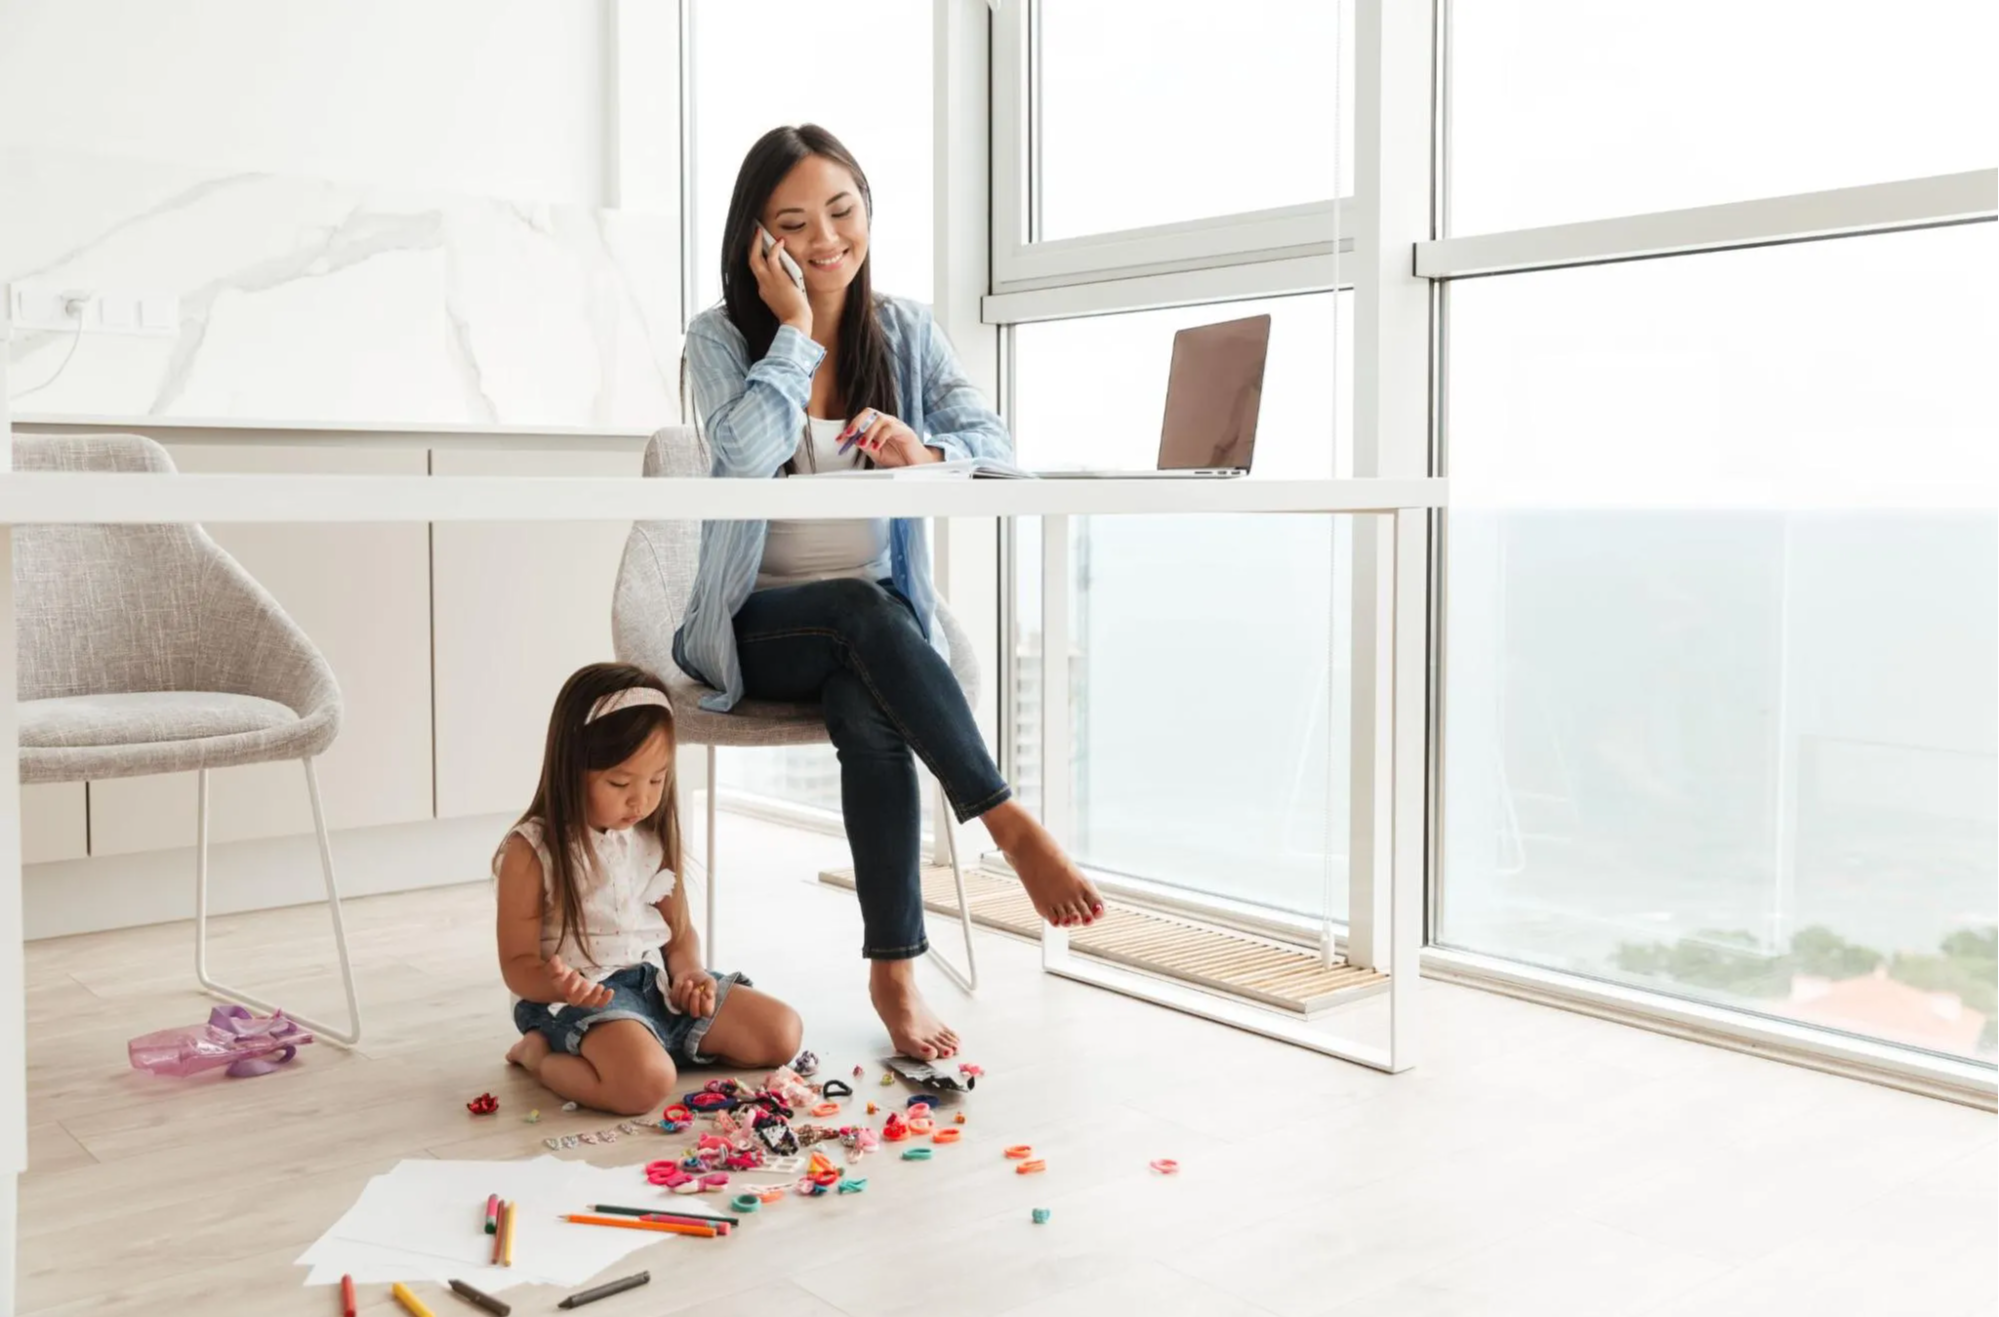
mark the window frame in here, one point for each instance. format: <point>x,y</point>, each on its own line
<point>1092,271</point>
<point>1825,215</point>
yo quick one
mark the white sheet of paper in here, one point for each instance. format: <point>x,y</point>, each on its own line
<point>424,1220</point>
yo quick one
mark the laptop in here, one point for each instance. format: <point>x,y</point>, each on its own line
<point>1213,393</point>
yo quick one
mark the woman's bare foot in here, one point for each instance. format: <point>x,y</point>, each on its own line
<point>529,1052</point>
<point>1060,893</point>
<point>911,1026</point>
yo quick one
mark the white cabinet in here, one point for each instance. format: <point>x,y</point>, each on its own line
<point>55,822</point>
<point>362,593</point>
<point>517,608</point>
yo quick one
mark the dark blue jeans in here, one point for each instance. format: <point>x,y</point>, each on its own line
<point>856,648</point>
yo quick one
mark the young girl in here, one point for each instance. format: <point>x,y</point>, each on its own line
<point>595,942</point>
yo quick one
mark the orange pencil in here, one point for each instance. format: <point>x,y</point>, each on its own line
<point>499,1232</point>
<point>507,1254</point>
<point>626,1223</point>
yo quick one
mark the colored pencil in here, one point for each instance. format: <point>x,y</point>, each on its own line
<point>698,1218</point>
<point>626,1223</point>
<point>479,1297</point>
<point>492,1214</point>
<point>606,1290</point>
<point>507,1253</point>
<point>415,1306</point>
<point>499,1233</point>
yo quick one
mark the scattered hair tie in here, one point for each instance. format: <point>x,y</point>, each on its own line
<point>825,1109</point>
<point>916,1154</point>
<point>1031,1167</point>
<point>1166,1166</point>
<point>833,1088</point>
<point>951,1135</point>
<point>1020,1150</point>
<point>746,1203</point>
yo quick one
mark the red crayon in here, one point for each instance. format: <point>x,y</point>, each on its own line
<point>347,1296</point>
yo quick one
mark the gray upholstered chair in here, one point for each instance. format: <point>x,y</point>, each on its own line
<point>655,580</point>
<point>147,649</point>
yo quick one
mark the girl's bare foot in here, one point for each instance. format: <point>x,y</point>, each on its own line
<point>1060,893</point>
<point>529,1052</point>
<point>911,1026</point>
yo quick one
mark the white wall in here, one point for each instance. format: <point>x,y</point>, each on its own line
<point>485,97</point>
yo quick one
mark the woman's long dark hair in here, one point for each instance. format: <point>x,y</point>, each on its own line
<point>866,371</point>
<point>576,747</point>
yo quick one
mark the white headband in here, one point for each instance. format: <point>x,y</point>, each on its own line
<point>631,697</point>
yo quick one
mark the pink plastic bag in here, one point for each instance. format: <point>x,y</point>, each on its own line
<point>247,1043</point>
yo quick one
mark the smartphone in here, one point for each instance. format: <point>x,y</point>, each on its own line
<point>783,258</point>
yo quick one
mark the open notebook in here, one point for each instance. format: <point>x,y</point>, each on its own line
<point>964,468</point>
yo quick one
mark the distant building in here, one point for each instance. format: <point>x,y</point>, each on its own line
<point>1886,1008</point>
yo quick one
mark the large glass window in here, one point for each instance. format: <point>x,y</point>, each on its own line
<point>1198,666</point>
<point>1566,110</point>
<point>1750,757</point>
<point>1148,118</point>
<point>868,81</point>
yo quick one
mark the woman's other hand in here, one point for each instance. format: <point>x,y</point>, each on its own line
<point>888,441</point>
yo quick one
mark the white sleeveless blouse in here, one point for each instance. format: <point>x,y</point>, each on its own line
<point>621,926</point>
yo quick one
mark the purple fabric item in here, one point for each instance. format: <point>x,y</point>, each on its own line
<point>247,1043</point>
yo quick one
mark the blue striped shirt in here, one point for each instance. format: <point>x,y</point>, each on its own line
<point>752,414</point>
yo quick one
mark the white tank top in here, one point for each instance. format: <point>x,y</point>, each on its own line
<point>800,551</point>
<point>622,925</point>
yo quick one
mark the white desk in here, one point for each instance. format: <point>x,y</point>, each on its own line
<point>1387,868</point>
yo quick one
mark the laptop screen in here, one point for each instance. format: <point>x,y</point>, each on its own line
<point>1212,396</point>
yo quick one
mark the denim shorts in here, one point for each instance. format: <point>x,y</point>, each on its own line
<point>635,995</point>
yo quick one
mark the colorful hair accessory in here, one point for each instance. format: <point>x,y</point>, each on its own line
<point>921,1125</point>
<point>916,1154</point>
<point>664,1173</point>
<point>1039,1216</point>
<point>947,1135</point>
<point>746,1203</point>
<point>973,1071</point>
<point>631,697</point>
<point>533,1117</point>
<point>859,1071</point>
<point>807,1064</point>
<point>677,1112</point>
<point>1031,1167</point>
<point>706,1101</point>
<point>833,1088</point>
<point>893,1129</point>
<point>958,1119</point>
<point>825,1109</point>
<point>854,1186</point>
<point>771,1193</point>
<point>483,1105</point>
<point>1166,1166</point>
<point>713,1181</point>
<point>1020,1150</point>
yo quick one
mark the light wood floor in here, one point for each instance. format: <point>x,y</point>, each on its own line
<point>1537,1162</point>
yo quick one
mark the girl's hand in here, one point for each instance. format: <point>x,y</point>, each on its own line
<point>785,299</point>
<point>574,989</point>
<point>693,993</point>
<point>888,441</point>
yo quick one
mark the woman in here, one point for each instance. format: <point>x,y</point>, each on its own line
<point>785,378</point>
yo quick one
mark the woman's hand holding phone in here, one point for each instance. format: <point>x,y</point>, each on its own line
<point>775,284</point>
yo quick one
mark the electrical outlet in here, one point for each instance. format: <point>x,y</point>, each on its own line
<point>48,308</point>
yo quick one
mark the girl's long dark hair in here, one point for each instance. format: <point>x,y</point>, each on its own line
<point>574,748</point>
<point>866,370</point>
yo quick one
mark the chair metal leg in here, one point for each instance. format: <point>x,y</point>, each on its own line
<point>968,978</point>
<point>708,861</point>
<point>340,1037</point>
